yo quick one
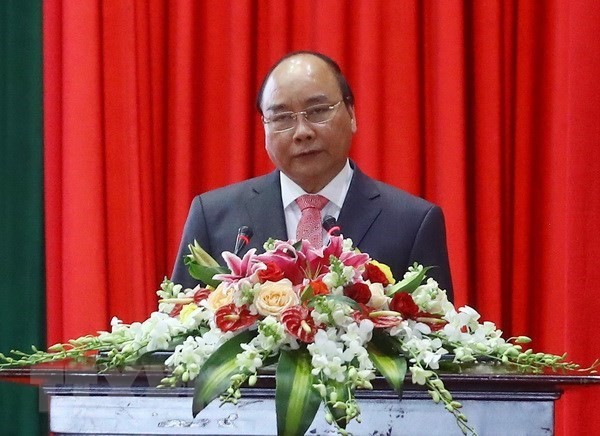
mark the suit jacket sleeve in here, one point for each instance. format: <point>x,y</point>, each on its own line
<point>194,229</point>
<point>429,249</point>
<point>396,228</point>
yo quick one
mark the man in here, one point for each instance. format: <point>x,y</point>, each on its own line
<point>308,113</point>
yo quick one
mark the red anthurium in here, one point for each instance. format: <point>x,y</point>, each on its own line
<point>273,273</point>
<point>201,294</point>
<point>230,317</point>
<point>380,319</point>
<point>435,322</point>
<point>176,310</point>
<point>403,302</point>
<point>359,292</point>
<point>375,275</point>
<point>299,323</point>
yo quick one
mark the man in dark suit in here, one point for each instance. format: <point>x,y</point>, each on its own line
<point>307,109</point>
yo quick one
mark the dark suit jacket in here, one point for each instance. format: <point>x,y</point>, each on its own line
<point>392,226</point>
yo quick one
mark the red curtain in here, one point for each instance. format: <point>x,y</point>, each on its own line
<point>488,108</point>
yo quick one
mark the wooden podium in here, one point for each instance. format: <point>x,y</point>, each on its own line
<point>82,401</point>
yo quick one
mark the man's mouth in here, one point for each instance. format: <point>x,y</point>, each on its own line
<point>308,153</point>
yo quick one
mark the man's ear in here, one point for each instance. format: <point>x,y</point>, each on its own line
<point>352,119</point>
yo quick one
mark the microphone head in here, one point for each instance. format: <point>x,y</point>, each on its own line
<point>329,222</point>
<point>242,239</point>
<point>246,231</point>
<point>331,226</point>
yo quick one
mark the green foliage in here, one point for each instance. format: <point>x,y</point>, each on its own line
<point>410,283</point>
<point>215,375</point>
<point>296,401</point>
<point>205,273</point>
<point>202,266</point>
<point>385,354</point>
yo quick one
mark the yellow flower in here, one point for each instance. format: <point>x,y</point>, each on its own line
<point>220,297</point>
<point>272,298</point>
<point>187,310</point>
<point>385,270</point>
<point>200,256</point>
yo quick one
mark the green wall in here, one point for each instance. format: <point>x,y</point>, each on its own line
<point>22,318</point>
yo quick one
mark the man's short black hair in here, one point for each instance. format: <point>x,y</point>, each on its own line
<point>347,94</point>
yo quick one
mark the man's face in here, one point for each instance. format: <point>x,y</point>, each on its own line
<point>309,154</point>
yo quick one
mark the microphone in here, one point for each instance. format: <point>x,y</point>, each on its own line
<point>243,238</point>
<point>331,226</point>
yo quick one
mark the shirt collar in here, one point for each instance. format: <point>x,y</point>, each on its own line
<point>335,191</point>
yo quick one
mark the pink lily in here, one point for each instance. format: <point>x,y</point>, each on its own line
<point>240,268</point>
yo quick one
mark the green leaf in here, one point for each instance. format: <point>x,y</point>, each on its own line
<point>215,375</point>
<point>307,294</point>
<point>200,256</point>
<point>205,273</point>
<point>409,284</point>
<point>270,360</point>
<point>296,401</point>
<point>202,266</point>
<point>385,353</point>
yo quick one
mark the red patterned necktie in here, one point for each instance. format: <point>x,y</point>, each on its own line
<point>310,226</point>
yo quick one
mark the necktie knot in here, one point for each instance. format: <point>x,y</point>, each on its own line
<point>309,226</point>
<point>311,201</point>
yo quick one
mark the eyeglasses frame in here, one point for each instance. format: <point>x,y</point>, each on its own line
<point>294,116</point>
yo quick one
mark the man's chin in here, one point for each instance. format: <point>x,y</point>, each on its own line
<point>311,179</point>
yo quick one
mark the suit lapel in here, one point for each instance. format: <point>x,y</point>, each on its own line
<point>361,207</point>
<point>266,210</point>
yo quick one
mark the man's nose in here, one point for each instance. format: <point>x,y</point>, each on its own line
<point>303,129</point>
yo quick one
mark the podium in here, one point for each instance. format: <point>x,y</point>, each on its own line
<point>80,400</point>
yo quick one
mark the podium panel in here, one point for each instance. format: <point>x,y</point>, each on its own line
<point>139,415</point>
<point>82,401</point>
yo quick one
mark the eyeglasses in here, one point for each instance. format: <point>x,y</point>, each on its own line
<point>317,114</point>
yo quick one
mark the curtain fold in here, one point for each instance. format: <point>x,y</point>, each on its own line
<point>21,221</point>
<point>488,108</point>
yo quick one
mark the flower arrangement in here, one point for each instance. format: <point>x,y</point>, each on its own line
<point>329,317</point>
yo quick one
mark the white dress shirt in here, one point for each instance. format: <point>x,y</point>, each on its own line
<point>335,191</point>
